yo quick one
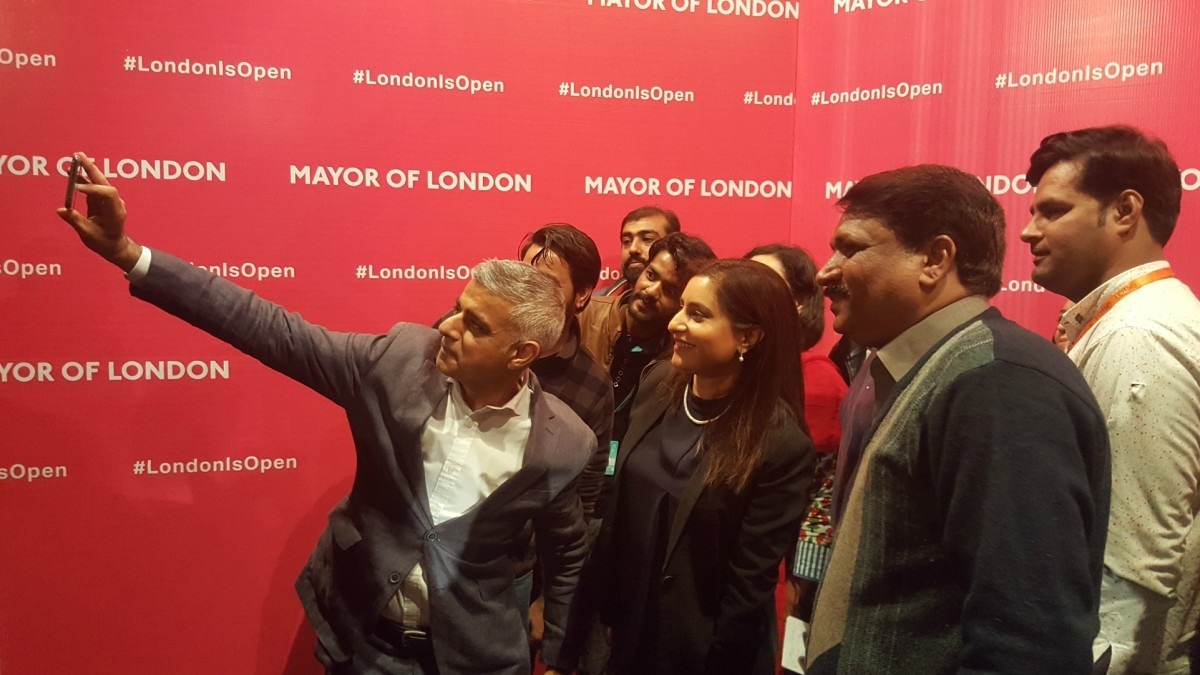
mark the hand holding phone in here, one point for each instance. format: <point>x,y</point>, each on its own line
<point>72,177</point>
<point>102,228</point>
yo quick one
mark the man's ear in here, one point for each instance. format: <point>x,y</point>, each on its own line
<point>941,258</point>
<point>1126,211</point>
<point>582,298</point>
<point>523,354</point>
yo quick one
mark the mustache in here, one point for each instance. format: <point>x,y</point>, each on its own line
<point>836,291</point>
<point>641,295</point>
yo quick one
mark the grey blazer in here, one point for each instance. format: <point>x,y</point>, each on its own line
<point>389,386</point>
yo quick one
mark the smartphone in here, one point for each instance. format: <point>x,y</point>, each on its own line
<point>72,176</point>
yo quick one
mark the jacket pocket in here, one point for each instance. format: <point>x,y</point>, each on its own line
<point>344,533</point>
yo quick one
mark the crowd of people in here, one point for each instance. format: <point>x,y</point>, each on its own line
<point>611,481</point>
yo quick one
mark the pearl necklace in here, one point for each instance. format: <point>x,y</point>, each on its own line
<point>686,389</point>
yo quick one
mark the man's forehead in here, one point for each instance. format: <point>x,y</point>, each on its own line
<point>532,251</point>
<point>1061,177</point>
<point>544,258</point>
<point>656,224</point>
<point>481,300</point>
<point>858,228</point>
<point>664,264</point>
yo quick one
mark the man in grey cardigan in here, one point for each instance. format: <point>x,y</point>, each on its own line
<point>973,535</point>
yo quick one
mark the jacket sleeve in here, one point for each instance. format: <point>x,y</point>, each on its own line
<point>600,420</point>
<point>1025,511</point>
<point>331,363</point>
<point>562,547</point>
<point>775,505</point>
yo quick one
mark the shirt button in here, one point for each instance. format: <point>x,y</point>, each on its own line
<point>394,577</point>
<point>432,536</point>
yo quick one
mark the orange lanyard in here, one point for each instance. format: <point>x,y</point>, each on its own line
<point>1149,278</point>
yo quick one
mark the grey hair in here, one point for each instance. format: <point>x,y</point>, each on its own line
<point>538,312</point>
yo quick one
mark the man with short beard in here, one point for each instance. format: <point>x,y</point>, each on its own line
<point>640,228</point>
<point>627,332</point>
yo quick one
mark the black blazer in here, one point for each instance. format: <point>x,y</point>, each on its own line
<point>389,386</point>
<point>717,589</point>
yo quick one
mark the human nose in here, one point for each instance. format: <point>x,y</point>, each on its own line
<point>449,326</point>
<point>830,272</point>
<point>1030,233</point>
<point>678,323</point>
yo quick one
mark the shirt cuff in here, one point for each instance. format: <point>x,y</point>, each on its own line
<point>141,268</point>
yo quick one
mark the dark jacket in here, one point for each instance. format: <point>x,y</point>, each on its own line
<point>717,588</point>
<point>389,386</point>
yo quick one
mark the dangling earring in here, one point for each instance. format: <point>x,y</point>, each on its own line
<point>741,356</point>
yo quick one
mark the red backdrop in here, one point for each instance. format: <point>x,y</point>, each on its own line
<point>159,491</point>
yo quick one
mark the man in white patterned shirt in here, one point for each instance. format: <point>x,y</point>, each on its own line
<point>1107,202</point>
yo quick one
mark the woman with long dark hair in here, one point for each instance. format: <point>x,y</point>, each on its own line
<point>710,493</point>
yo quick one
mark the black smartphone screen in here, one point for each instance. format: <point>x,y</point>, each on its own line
<point>72,176</point>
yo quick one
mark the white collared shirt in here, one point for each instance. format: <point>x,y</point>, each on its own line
<point>893,360</point>
<point>467,455</point>
<point>1142,362</point>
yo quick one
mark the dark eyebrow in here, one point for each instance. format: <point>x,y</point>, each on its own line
<point>1049,203</point>
<point>474,318</point>
<point>842,239</point>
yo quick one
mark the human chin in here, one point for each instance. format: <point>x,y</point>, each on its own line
<point>1043,274</point>
<point>678,361</point>
<point>842,319</point>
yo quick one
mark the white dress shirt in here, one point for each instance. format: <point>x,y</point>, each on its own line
<point>1142,361</point>
<point>467,455</point>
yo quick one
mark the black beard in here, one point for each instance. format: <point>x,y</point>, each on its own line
<point>631,277</point>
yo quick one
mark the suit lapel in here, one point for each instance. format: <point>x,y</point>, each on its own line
<point>539,451</point>
<point>648,409</point>
<point>691,495</point>
<point>543,427</point>
<point>651,404</point>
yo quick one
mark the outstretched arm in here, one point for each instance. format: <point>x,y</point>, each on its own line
<point>329,362</point>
